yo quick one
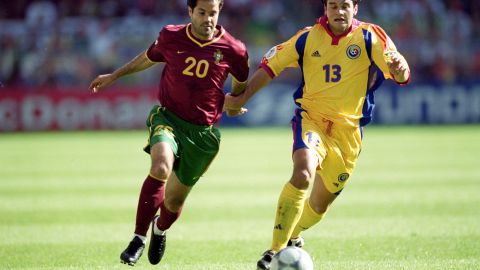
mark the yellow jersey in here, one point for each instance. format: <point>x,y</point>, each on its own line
<point>339,73</point>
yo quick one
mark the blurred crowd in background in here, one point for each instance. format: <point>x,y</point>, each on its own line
<point>62,44</point>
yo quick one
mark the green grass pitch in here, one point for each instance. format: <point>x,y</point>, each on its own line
<point>68,201</point>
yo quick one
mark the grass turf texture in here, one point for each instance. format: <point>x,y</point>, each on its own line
<point>68,201</point>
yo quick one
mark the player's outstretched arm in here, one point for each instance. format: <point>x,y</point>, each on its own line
<point>139,63</point>
<point>398,67</point>
<point>258,80</point>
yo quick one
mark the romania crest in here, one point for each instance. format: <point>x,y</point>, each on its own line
<point>343,177</point>
<point>353,51</point>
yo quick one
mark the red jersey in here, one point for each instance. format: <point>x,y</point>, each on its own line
<point>192,80</point>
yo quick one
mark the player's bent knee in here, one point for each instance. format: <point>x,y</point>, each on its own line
<point>161,171</point>
<point>301,179</point>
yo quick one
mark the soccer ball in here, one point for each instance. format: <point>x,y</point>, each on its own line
<point>292,258</point>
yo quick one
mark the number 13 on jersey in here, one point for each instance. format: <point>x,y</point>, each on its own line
<point>333,73</point>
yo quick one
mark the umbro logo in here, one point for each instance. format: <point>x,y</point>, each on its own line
<point>278,227</point>
<point>316,54</point>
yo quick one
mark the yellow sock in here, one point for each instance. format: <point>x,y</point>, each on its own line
<point>308,219</point>
<point>289,210</point>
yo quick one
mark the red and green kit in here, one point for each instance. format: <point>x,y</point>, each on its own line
<point>191,94</point>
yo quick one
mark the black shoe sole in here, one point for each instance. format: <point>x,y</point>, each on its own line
<point>128,263</point>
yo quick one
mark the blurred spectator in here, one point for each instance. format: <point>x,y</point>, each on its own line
<point>64,43</point>
<point>41,15</point>
<point>9,61</point>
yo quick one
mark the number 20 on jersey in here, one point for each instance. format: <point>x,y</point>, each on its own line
<point>196,68</point>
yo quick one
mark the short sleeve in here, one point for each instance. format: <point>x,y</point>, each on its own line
<point>154,53</point>
<point>382,48</point>
<point>241,67</point>
<point>282,56</point>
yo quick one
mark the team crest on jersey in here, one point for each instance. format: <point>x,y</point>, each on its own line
<point>354,51</point>
<point>218,56</point>
<point>343,177</point>
<point>271,52</point>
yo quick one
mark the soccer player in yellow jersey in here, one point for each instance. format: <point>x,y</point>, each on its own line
<point>343,61</point>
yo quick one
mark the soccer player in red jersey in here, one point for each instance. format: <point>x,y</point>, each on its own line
<point>183,140</point>
<point>343,61</point>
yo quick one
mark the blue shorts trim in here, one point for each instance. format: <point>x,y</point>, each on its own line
<point>297,131</point>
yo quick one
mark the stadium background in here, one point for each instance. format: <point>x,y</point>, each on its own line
<point>67,199</point>
<point>51,50</point>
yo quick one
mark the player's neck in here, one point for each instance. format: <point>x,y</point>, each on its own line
<point>338,33</point>
<point>203,38</point>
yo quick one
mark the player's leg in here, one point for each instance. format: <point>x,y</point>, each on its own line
<point>290,202</point>
<point>170,209</point>
<point>314,209</point>
<point>150,199</point>
<point>331,179</point>
<point>162,148</point>
<point>152,193</point>
<point>175,195</point>
<point>199,147</point>
<point>306,158</point>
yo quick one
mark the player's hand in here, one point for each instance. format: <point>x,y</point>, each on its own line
<point>233,105</point>
<point>234,102</point>
<point>101,82</point>
<point>232,113</point>
<point>397,66</point>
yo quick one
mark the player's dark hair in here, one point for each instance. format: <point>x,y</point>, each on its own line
<point>193,3</point>
<point>355,2</point>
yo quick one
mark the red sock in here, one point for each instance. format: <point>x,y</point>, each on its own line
<point>166,218</point>
<point>151,196</point>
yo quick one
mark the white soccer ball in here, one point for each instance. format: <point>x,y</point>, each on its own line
<point>292,258</point>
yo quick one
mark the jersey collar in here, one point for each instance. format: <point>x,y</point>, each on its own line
<point>323,21</point>
<point>203,43</point>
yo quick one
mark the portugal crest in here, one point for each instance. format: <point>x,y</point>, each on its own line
<point>353,51</point>
<point>218,56</point>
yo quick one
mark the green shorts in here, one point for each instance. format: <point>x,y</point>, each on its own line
<point>194,146</point>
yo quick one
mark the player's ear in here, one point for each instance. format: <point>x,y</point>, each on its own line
<point>355,10</point>
<point>190,12</point>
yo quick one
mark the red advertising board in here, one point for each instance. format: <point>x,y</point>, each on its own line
<point>74,109</point>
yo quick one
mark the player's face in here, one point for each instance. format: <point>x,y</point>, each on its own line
<point>340,14</point>
<point>204,18</point>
